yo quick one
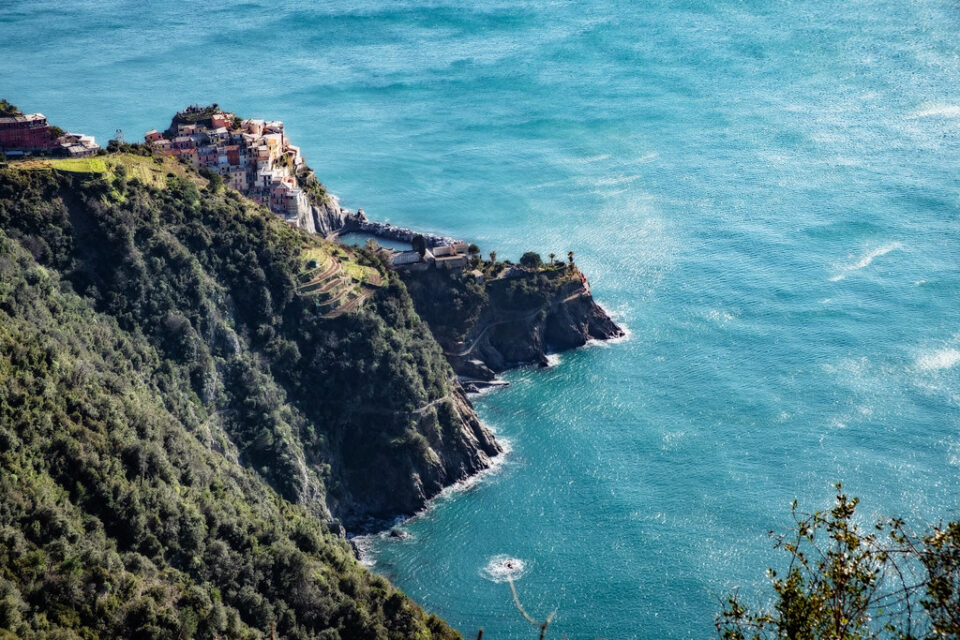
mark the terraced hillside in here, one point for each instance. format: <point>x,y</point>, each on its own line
<point>337,283</point>
<point>148,169</point>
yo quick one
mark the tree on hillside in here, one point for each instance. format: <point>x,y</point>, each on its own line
<point>531,260</point>
<point>8,108</point>
<point>553,258</point>
<point>844,583</point>
<point>419,245</point>
<point>493,257</point>
<point>214,179</point>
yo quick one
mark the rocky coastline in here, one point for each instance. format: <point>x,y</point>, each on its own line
<point>517,319</point>
<point>504,339</point>
<point>445,442</point>
<point>505,334</point>
<point>462,453</point>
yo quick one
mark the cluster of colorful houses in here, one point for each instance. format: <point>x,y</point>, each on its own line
<point>256,158</point>
<point>253,156</point>
<point>29,133</point>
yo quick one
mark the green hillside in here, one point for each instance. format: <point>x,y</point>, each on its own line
<point>182,430</point>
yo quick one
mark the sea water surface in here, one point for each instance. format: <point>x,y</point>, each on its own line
<point>765,193</point>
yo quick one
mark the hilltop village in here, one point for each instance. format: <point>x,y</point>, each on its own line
<point>253,156</point>
<point>256,158</point>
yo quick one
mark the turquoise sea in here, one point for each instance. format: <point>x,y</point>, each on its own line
<point>766,194</point>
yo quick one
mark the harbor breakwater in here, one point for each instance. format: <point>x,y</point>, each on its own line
<point>358,223</point>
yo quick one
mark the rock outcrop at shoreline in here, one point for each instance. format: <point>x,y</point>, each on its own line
<point>571,319</point>
<point>376,500</point>
<point>513,317</point>
<point>324,218</point>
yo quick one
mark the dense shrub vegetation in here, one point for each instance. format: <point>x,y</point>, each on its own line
<point>452,302</point>
<point>175,420</point>
<point>210,280</point>
<point>117,519</point>
<point>449,301</point>
<point>846,582</point>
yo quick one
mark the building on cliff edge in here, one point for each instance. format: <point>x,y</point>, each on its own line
<point>254,156</point>
<point>30,133</point>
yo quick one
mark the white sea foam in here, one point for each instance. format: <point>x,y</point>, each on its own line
<point>867,259</point>
<point>553,359</point>
<point>937,110</point>
<point>940,359</point>
<point>482,391</point>
<point>617,316</point>
<point>609,342</point>
<point>614,181</point>
<point>364,547</point>
<point>876,253</point>
<point>602,156</point>
<point>552,184</point>
<point>365,544</point>
<point>719,316</point>
<point>647,157</point>
<point>953,453</point>
<point>502,567</point>
<point>671,440</point>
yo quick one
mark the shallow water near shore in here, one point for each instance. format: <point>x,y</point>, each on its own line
<point>360,239</point>
<point>766,194</point>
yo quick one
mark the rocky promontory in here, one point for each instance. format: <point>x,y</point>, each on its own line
<point>498,316</point>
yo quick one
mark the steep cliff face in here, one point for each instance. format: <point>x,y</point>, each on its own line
<point>440,457</point>
<point>344,405</point>
<point>322,216</point>
<point>507,317</point>
<point>328,216</point>
<point>567,318</point>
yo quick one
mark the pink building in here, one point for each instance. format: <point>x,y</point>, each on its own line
<point>29,131</point>
<point>183,142</point>
<point>208,156</point>
<point>254,127</point>
<point>237,178</point>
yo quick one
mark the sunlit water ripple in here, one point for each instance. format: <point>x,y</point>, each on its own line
<point>765,193</point>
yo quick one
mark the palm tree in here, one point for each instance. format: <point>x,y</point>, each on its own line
<point>570,257</point>
<point>493,257</point>
<point>552,256</point>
